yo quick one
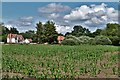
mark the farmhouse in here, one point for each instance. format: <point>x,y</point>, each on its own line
<point>60,38</point>
<point>14,38</point>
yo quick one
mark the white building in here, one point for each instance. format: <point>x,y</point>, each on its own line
<point>27,41</point>
<point>14,38</point>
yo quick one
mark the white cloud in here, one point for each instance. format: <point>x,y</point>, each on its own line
<point>53,15</point>
<point>63,29</point>
<point>29,18</point>
<point>79,13</point>
<point>26,21</point>
<point>22,24</point>
<point>93,16</point>
<point>112,14</point>
<point>8,26</point>
<point>53,7</point>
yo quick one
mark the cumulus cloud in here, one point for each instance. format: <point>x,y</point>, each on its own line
<point>92,16</point>
<point>22,23</point>
<point>63,29</point>
<point>8,26</point>
<point>53,8</point>
<point>53,15</point>
<point>79,13</point>
<point>26,21</point>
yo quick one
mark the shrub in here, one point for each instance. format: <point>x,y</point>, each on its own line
<point>69,42</point>
<point>103,40</point>
<point>115,40</point>
<point>85,40</point>
<point>77,40</point>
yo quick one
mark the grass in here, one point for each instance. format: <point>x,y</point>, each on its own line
<point>55,61</point>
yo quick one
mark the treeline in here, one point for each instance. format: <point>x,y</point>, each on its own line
<point>45,33</point>
<point>80,35</point>
<point>109,35</point>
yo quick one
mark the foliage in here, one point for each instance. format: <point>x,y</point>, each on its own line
<point>103,40</point>
<point>79,31</point>
<point>115,40</point>
<point>96,33</point>
<point>78,40</point>
<point>4,38</point>
<point>46,32</point>
<point>39,33</point>
<point>85,40</point>
<point>112,29</point>
<point>13,30</point>
<point>113,32</point>
<point>29,34</point>
<point>55,61</point>
<point>74,38</point>
<point>69,42</point>
<point>5,31</point>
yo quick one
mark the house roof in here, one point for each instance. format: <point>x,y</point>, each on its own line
<point>60,38</point>
<point>12,35</point>
<point>20,37</point>
<point>30,40</point>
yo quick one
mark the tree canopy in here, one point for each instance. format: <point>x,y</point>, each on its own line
<point>46,32</point>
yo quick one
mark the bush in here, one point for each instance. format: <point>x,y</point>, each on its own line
<point>115,40</point>
<point>69,42</point>
<point>103,40</point>
<point>85,40</point>
<point>77,40</point>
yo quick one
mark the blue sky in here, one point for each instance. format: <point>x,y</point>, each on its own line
<point>24,15</point>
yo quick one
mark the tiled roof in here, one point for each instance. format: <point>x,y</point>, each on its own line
<point>12,35</point>
<point>60,38</point>
<point>20,37</point>
<point>30,40</point>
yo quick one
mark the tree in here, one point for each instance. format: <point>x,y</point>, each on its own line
<point>79,31</point>
<point>50,32</point>
<point>96,33</point>
<point>112,30</point>
<point>102,40</point>
<point>67,33</point>
<point>14,30</point>
<point>28,34</point>
<point>46,32</point>
<point>39,33</point>
<point>4,31</point>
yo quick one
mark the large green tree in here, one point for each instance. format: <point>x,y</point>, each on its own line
<point>96,33</point>
<point>3,32</point>
<point>46,32</point>
<point>13,30</point>
<point>79,31</point>
<point>112,30</point>
<point>39,32</point>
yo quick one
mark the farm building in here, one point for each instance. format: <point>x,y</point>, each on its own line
<point>27,40</point>
<point>14,38</point>
<point>60,38</point>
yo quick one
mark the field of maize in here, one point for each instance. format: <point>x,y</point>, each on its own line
<point>58,61</point>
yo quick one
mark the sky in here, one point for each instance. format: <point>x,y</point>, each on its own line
<point>91,15</point>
